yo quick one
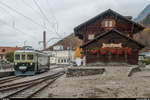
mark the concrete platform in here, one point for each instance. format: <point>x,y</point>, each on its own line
<point>6,72</point>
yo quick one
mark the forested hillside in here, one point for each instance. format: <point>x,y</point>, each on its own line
<point>144,38</point>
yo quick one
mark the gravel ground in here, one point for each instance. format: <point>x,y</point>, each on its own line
<point>114,83</point>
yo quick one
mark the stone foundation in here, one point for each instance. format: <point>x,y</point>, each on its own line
<point>134,70</point>
<point>107,64</point>
<point>84,71</point>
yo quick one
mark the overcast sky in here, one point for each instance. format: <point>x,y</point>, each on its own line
<point>22,20</point>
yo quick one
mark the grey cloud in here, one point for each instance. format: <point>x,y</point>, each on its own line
<point>69,14</point>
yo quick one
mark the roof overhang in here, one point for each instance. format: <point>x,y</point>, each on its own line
<point>113,30</point>
<point>81,26</point>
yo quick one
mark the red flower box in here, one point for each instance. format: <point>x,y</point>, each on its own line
<point>112,51</point>
<point>120,52</point>
<point>94,51</point>
<point>128,51</point>
<point>103,52</point>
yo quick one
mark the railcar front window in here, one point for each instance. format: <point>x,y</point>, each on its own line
<point>23,57</point>
<point>30,57</point>
<point>17,57</point>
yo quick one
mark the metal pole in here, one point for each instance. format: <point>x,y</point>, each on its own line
<point>70,47</point>
<point>44,40</point>
<point>69,54</point>
<point>25,42</point>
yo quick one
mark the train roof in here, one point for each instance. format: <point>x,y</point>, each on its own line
<point>32,51</point>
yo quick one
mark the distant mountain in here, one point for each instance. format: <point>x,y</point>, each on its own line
<point>67,41</point>
<point>143,14</point>
<point>143,37</point>
<point>146,20</point>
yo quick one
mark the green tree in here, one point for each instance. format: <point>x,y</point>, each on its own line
<point>10,56</point>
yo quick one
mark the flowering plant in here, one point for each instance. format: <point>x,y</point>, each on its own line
<point>103,51</point>
<point>120,51</point>
<point>128,50</point>
<point>94,51</point>
<point>112,50</point>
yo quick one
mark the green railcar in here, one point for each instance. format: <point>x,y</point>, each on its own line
<point>30,62</point>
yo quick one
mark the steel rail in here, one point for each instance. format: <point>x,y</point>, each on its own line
<point>19,85</point>
<point>5,78</point>
<point>9,85</point>
<point>9,80</point>
<point>34,84</point>
<point>16,86</point>
<point>42,88</point>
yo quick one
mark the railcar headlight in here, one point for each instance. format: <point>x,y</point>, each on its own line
<point>31,63</point>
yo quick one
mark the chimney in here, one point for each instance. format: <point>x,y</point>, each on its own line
<point>44,40</point>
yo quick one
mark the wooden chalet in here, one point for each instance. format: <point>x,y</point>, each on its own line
<point>108,38</point>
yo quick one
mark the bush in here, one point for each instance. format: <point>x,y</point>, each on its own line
<point>10,56</point>
<point>145,61</point>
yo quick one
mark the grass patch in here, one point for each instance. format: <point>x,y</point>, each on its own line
<point>145,61</point>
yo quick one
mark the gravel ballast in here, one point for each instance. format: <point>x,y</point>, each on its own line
<point>114,83</point>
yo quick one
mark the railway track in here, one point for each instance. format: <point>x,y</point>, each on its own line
<point>28,89</point>
<point>9,79</point>
<point>12,78</point>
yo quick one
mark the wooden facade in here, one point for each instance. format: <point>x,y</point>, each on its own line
<point>107,28</point>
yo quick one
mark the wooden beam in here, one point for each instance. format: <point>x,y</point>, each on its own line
<point>126,57</point>
<point>132,29</point>
<point>109,57</point>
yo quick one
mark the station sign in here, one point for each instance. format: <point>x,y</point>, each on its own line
<point>111,45</point>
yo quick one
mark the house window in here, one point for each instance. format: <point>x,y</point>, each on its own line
<point>3,50</point>
<point>90,36</point>
<point>108,23</point>
<point>64,60</point>
<point>67,60</point>
<point>61,60</point>
<point>58,60</point>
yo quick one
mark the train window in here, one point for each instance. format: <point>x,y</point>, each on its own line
<point>30,57</point>
<point>17,57</point>
<point>23,57</point>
